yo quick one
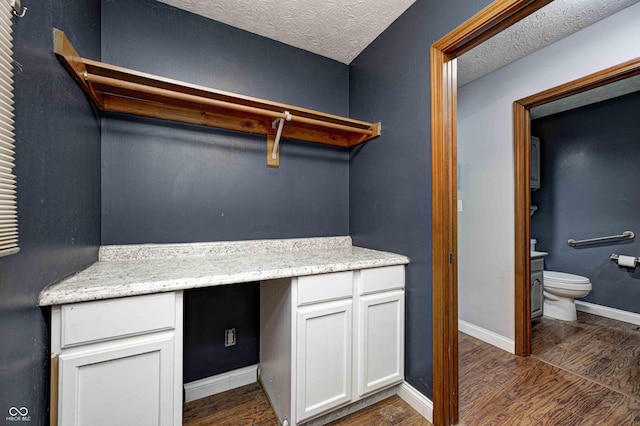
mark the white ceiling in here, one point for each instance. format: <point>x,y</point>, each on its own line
<point>553,22</point>
<point>337,29</point>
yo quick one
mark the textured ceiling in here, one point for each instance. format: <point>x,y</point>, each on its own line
<point>337,29</point>
<point>557,20</point>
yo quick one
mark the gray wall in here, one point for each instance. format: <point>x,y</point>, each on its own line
<point>164,182</point>
<point>589,188</point>
<point>390,177</point>
<point>58,171</point>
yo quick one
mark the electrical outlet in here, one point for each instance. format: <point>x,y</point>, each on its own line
<point>230,337</point>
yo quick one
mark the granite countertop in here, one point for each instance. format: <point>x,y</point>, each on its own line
<point>153,268</point>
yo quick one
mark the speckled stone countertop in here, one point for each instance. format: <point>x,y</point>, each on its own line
<point>154,268</point>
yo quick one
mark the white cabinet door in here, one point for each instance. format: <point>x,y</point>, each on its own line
<point>323,366</point>
<point>381,341</point>
<point>123,382</point>
<point>537,297</point>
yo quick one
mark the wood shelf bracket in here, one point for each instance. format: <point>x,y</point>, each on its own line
<point>121,90</point>
<point>274,161</point>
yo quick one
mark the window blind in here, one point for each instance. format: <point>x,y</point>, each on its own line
<point>8,207</point>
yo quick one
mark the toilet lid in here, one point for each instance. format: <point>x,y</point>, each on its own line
<point>564,278</point>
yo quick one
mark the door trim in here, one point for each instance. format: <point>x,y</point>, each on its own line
<point>522,146</point>
<point>496,17</point>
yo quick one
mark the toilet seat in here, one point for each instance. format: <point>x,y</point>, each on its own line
<point>562,280</point>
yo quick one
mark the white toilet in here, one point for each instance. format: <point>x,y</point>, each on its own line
<point>560,289</point>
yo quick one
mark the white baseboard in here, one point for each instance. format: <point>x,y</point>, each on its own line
<point>605,311</point>
<point>416,400</point>
<point>487,336</point>
<point>220,383</point>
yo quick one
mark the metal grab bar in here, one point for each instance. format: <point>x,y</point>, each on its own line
<point>626,235</point>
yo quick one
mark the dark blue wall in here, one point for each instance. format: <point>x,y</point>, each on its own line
<point>166,182</point>
<point>390,177</point>
<point>208,313</point>
<point>58,172</point>
<point>589,188</point>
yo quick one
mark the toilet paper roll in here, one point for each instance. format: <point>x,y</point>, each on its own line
<point>628,261</point>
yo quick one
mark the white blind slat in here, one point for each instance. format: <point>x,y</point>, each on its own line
<point>8,199</point>
<point>6,83</point>
<point>6,164</point>
<point>7,130</point>
<point>7,151</point>
<point>9,248</point>
<point>7,142</point>
<point>6,97</point>
<point>7,178</point>
<point>6,157</point>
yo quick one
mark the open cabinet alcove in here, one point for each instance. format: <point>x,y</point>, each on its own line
<point>521,146</point>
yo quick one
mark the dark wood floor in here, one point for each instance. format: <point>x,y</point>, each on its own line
<point>581,373</point>
<point>248,406</point>
<point>597,348</point>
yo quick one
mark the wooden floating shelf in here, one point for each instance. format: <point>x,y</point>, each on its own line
<point>122,90</point>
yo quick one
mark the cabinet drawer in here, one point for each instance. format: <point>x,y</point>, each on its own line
<point>386,278</point>
<point>537,265</point>
<point>324,287</point>
<point>108,319</point>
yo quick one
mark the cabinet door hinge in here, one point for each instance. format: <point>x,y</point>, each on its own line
<point>450,258</point>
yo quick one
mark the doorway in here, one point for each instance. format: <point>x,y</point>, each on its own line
<point>522,147</point>
<point>499,15</point>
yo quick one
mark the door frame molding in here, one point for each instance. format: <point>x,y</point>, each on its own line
<point>522,148</point>
<point>496,17</point>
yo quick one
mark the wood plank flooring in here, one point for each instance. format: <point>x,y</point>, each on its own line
<point>580,374</point>
<point>600,349</point>
<point>249,406</point>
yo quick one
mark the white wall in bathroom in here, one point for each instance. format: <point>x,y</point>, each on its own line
<point>485,156</point>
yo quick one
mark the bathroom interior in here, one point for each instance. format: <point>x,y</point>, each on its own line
<point>584,206</point>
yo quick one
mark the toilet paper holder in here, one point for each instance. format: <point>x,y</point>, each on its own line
<point>617,256</point>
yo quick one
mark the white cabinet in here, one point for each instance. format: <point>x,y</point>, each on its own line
<point>118,361</point>
<point>327,340</point>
